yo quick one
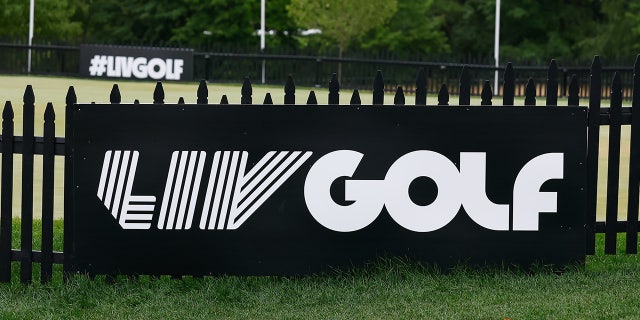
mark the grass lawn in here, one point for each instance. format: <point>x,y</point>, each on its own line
<point>606,287</point>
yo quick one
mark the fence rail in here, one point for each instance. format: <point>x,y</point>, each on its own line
<point>311,70</point>
<point>614,116</point>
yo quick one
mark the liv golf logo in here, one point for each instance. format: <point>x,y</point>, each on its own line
<point>233,192</point>
<point>137,67</point>
<point>136,62</point>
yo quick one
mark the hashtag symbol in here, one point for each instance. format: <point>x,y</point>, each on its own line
<point>98,65</point>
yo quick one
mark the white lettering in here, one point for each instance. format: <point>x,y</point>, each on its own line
<point>233,194</point>
<point>528,201</point>
<point>110,190</point>
<point>111,68</point>
<point>473,171</point>
<point>160,65</point>
<point>125,65</point>
<point>139,67</point>
<point>177,69</point>
<point>317,186</point>
<point>465,188</point>
<point>422,164</point>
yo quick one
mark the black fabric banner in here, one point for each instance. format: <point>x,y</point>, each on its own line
<point>282,190</point>
<point>136,62</point>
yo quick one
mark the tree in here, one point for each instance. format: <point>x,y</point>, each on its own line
<point>187,23</point>
<point>227,21</point>
<point>341,21</point>
<point>618,34</point>
<point>134,21</point>
<point>414,29</point>
<point>52,19</point>
<point>278,20</point>
<point>531,30</point>
<point>532,33</point>
<point>468,25</point>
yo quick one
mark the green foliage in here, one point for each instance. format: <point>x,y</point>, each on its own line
<point>133,22</point>
<point>52,19</point>
<point>277,19</point>
<point>468,25</point>
<point>183,22</point>
<point>341,21</point>
<point>414,29</point>
<point>541,30</point>
<point>619,34</point>
<point>531,30</point>
<point>14,19</point>
<point>228,21</point>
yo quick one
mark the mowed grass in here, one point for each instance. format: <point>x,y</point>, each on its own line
<point>606,287</point>
<point>54,89</point>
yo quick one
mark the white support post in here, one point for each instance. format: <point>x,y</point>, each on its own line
<point>31,9</point>
<point>496,49</point>
<point>263,32</point>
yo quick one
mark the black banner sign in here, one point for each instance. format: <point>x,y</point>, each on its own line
<point>136,62</point>
<point>178,189</point>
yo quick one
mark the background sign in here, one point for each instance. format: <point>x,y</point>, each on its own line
<point>136,62</point>
<point>180,189</point>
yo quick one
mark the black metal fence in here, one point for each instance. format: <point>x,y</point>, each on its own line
<point>312,70</point>
<point>614,116</point>
<point>45,59</point>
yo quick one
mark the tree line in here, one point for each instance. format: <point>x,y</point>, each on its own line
<point>531,30</point>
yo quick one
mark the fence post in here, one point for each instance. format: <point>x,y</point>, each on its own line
<point>530,93</point>
<point>334,90</point>
<point>48,156</point>
<point>487,94</point>
<point>509,89</point>
<point>318,68</point>
<point>311,100</point>
<point>634,158</point>
<point>421,87</point>
<point>267,99</point>
<point>355,98</point>
<point>398,99</point>
<point>246,91</point>
<point>115,97</point>
<point>26,234</point>
<point>464,98</point>
<point>203,93</point>
<point>207,66</point>
<point>574,92</point>
<point>158,94</point>
<point>593,143</point>
<point>613,172</point>
<point>70,100</point>
<point>378,89</point>
<point>6,203</point>
<point>289,91</point>
<point>552,84</point>
<point>443,96</point>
